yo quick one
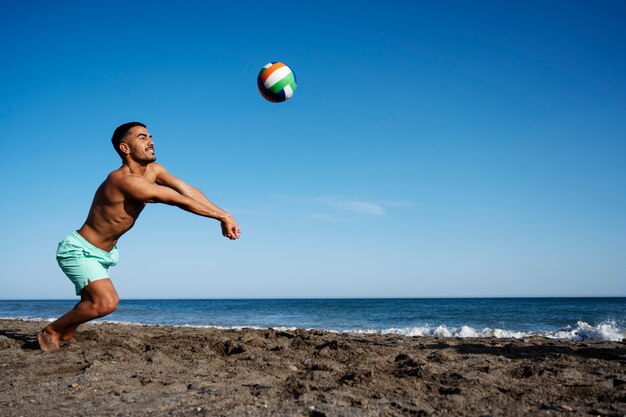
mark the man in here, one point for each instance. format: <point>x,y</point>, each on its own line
<point>86,255</point>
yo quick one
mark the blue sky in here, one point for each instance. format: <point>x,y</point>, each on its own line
<point>432,149</point>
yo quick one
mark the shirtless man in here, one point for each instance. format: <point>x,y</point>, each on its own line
<point>86,255</point>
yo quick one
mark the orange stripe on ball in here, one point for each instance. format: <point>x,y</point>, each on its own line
<point>271,70</point>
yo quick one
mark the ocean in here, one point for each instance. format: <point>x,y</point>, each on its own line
<point>569,318</point>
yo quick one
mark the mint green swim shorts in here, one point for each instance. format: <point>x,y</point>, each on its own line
<point>82,262</point>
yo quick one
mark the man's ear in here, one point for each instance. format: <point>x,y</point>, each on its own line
<point>124,148</point>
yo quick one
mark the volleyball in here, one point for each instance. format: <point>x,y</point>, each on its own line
<point>276,82</point>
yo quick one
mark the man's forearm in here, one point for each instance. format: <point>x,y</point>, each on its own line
<point>198,196</point>
<point>194,206</point>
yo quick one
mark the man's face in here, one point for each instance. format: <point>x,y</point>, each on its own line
<point>140,144</point>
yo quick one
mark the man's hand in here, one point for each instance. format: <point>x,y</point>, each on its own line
<point>230,229</point>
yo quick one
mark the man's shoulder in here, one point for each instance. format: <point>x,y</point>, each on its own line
<point>158,168</point>
<point>123,171</point>
<point>119,176</point>
<point>123,174</point>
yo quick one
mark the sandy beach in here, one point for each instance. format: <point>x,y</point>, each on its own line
<point>129,370</point>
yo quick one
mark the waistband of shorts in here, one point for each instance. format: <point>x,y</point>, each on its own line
<point>90,246</point>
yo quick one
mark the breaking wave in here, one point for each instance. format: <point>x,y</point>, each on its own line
<point>583,331</point>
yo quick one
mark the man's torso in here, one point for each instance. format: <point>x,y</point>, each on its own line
<point>112,212</point>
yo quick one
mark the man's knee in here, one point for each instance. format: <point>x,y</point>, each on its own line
<point>106,305</point>
<point>102,295</point>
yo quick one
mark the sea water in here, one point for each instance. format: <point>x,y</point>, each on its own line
<point>571,318</point>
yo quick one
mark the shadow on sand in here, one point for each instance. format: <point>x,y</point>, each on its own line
<point>28,340</point>
<point>536,351</point>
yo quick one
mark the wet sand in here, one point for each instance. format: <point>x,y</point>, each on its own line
<point>124,370</point>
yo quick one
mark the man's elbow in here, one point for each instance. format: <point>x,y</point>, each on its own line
<point>163,200</point>
<point>149,198</point>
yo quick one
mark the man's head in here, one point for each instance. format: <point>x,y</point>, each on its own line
<point>133,140</point>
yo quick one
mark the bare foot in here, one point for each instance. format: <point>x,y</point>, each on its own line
<point>48,342</point>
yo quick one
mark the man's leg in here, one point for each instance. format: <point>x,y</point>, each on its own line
<point>68,334</point>
<point>98,299</point>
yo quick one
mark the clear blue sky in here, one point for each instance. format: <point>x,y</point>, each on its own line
<point>431,148</point>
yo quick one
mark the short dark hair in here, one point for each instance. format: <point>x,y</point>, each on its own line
<point>120,133</point>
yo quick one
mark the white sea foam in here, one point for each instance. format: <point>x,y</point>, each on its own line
<point>28,318</point>
<point>583,331</point>
<point>285,328</point>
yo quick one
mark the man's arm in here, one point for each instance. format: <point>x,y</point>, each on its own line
<point>143,190</point>
<point>166,179</point>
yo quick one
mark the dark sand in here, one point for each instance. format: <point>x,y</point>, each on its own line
<point>121,370</point>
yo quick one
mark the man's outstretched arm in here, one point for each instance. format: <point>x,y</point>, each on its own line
<point>141,189</point>
<point>166,179</point>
